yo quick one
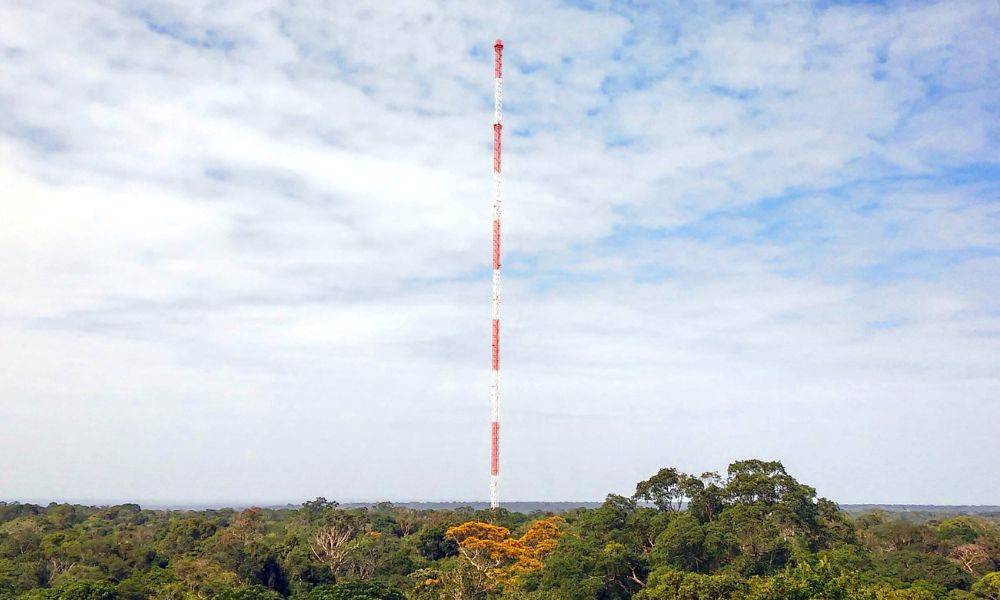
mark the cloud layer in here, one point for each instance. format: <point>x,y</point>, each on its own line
<point>245,248</point>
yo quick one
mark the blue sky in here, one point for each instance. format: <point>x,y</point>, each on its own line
<point>246,248</point>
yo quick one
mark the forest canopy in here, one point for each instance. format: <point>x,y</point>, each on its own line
<point>752,533</point>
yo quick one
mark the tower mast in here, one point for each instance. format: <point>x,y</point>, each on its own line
<point>495,379</point>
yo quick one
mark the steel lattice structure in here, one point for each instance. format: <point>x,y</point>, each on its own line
<point>495,379</point>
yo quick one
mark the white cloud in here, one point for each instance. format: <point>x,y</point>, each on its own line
<point>242,236</point>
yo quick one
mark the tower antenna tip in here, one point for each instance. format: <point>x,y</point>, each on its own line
<point>498,43</point>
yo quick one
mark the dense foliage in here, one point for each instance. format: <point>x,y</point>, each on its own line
<point>754,534</point>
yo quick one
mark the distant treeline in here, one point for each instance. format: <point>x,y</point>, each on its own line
<point>521,507</point>
<point>912,511</point>
<point>753,533</point>
<point>929,510</point>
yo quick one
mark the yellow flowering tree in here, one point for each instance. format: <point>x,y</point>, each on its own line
<point>492,551</point>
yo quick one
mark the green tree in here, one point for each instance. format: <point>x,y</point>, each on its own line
<point>757,482</point>
<point>750,537</point>
<point>433,544</point>
<point>989,586</point>
<point>571,572</point>
<point>705,496</point>
<point>184,535</point>
<point>910,566</point>
<point>78,590</point>
<point>88,590</point>
<point>20,536</point>
<point>668,583</point>
<point>682,544</point>
<point>142,584</point>
<point>356,590</point>
<point>254,592</point>
<point>666,489</point>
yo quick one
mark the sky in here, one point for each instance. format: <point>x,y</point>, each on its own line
<point>245,248</point>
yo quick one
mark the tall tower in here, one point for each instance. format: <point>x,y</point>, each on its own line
<point>495,379</point>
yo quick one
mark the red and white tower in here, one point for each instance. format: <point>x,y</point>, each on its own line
<point>495,379</point>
